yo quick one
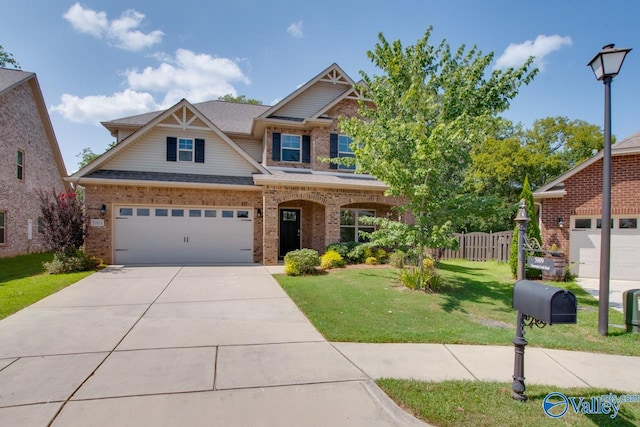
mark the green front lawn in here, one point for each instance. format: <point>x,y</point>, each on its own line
<point>369,305</point>
<point>23,281</point>
<point>478,404</point>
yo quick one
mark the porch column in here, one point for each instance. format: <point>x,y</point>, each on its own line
<point>331,224</point>
<point>270,239</point>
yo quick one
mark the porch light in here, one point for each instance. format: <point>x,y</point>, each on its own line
<point>560,222</point>
<point>103,209</point>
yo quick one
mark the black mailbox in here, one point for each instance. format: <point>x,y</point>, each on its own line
<point>545,303</point>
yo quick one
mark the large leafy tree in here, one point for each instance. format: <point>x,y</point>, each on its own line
<point>549,148</point>
<point>431,105</point>
<point>7,59</point>
<point>240,99</point>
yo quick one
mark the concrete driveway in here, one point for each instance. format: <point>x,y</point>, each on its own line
<point>179,345</point>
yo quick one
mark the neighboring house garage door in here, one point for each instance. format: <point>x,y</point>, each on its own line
<point>182,235</point>
<point>585,248</point>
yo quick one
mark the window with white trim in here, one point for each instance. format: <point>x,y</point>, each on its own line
<point>344,150</point>
<point>20,165</point>
<point>291,147</point>
<point>185,150</point>
<point>350,224</point>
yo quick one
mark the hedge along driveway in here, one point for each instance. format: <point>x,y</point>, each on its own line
<point>369,305</point>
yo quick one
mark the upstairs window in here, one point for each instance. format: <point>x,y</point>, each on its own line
<point>2,229</point>
<point>291,147</point>
<point>344,150</point>
<point>20,165</point>
<point>185,150</point>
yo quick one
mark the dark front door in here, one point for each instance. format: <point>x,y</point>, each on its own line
<point>289,231</point>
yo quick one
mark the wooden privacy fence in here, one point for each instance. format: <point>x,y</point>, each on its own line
<point>482,246</point>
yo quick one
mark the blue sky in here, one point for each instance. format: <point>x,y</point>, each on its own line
<point>97,61</point>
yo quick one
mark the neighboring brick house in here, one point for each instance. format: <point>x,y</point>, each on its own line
<point>30,161</point>
<point>221,182</point>
<point>571,212</point>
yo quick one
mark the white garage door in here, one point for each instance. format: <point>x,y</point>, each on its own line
<point>182,235</point>
<point>584,254</point>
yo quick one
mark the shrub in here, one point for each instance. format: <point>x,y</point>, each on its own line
<point>301,262</point>
<point>343,248</point>
<point>421,278</point>
<point>359,254</point>
<point>381,255</point>
<point>331,259</point>
<point>63,220</point>
<point>371,260</point>
<point>428,263</point>
<point>396,259</point>
<point>69,261</point>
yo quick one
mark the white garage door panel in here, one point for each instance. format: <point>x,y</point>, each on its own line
<point>585,253</point>
<point>184,239</point>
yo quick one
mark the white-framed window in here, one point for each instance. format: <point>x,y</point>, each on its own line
<point>3,228</point>
<point>185,150</point>
<point>20,165</point>
<point>350,224</point>
<point>344,150</point>
<point>582,223</point>
<point>291,148</point>
<point>626,223</point>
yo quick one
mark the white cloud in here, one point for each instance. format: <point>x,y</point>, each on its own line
<point>96,108</point>
<point>295,30</point>
<point>196,77</point>
<point>121,32</point>
<point>516,54</point>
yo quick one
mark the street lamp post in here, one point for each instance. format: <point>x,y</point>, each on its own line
<point>606,65</point>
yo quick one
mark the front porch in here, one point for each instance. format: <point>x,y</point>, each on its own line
<point>313,218</point>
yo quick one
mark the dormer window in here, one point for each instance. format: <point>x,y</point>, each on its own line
<point>291,147</point>
<point>185,150</point>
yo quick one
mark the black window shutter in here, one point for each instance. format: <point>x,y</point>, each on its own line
<point>199,155</point>
<point>333,149</point>
<point>306,148</point>
<point>275,152</point>
<point>172,149</point>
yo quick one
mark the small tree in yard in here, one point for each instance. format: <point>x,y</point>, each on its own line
<point>64,231</point>
<point>533,231</point>
<point>428,109</point>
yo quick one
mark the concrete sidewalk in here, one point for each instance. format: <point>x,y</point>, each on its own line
<point>438,362</point>
<point>167,346</point>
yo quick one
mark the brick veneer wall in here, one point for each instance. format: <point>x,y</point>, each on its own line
<point>324,205</point>
<point>100,239</point>
<point>21,128</point>
<point>584,197</point>
<point>319,137</point>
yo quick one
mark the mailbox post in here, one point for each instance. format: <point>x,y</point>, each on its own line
<point>536,304</point>
<point>517,386</point>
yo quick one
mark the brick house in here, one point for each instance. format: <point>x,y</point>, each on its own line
<point>571,212</point>
<point>30,161</point>
<point>221,182</point>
